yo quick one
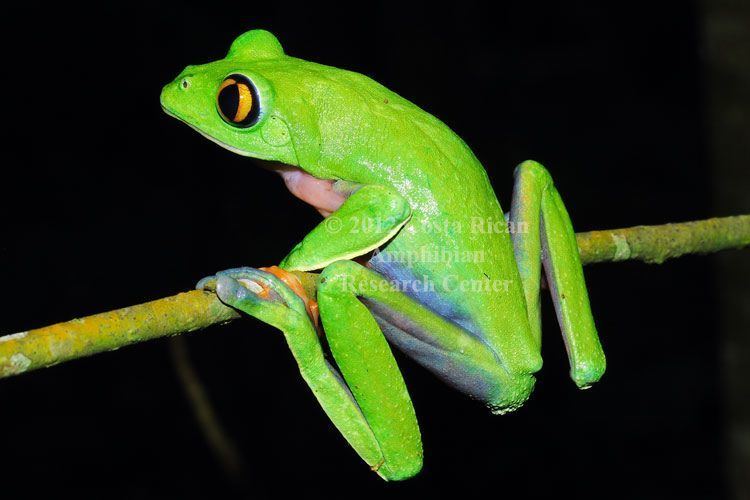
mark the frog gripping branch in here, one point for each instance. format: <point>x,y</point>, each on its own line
<point>414,251</point>
<point>384,172</point>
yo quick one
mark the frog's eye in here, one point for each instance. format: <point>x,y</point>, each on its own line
<point>237,101</point>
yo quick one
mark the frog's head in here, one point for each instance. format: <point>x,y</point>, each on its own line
<point>246,104</point>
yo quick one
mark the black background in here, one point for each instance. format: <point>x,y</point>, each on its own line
<point>107,202</point>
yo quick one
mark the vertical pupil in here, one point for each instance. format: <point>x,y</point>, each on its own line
<point>237,101</point>
<point>229,101</point>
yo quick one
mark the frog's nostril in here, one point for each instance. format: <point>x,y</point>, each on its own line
<point>184,84</point>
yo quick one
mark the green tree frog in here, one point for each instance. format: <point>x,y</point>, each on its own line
<point>414,250</point>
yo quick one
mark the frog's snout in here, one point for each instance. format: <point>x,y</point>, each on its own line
<point>171,92</point>
<point>166,98</point>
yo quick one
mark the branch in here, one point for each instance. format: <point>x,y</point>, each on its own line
<point>190,311</point>
<point>655,244</point>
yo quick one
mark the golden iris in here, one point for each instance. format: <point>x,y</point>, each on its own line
<point>237,101</point>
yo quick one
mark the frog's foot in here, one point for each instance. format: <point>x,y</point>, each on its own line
<point>295,285</point>
<point>269,294</point>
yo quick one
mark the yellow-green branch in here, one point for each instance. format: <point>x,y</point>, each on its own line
<point>655,244</point>
<point>190,311</point>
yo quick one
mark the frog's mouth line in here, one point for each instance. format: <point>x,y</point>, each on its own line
<point>212,139</point>
<point>320,193</point>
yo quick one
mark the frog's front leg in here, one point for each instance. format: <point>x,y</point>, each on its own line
<point>368,218</point>
<point>543,234</point>
<point>370,406</point>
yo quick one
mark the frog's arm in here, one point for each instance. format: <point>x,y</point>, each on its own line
<point>371,408</point>
<point>369,217</point>
<point>548,237</point>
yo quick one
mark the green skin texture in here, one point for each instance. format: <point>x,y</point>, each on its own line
<point>412,185</point>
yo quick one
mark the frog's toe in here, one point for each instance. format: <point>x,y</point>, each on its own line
<point>207,284</point>
<point>248,276</point>
<point>245,287</point>
<point>242,284</point>
<point>259,294</point>
<point>238,290</point>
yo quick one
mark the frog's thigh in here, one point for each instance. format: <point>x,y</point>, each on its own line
<point>459,358</point>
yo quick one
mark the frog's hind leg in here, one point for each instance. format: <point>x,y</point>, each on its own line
<point>371,407</point>
<point>459,358</point>
<point>542,233</point>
